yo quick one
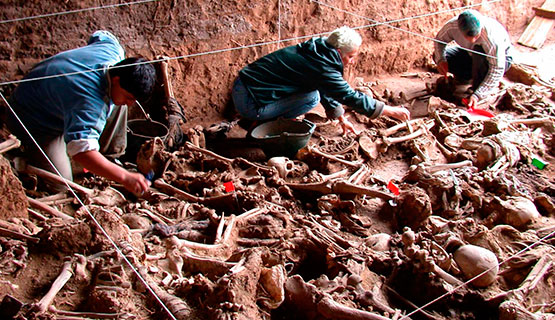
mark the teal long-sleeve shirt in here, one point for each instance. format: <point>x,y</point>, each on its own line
<point>309,66</point>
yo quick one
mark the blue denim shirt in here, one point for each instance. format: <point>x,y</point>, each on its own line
<point>74,105</point>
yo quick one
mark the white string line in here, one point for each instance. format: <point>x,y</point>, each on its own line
<point>479,275</point>
<point>253,46</point>
<point>74,11</point>
<point>90,214</point>
<point>389,22</point>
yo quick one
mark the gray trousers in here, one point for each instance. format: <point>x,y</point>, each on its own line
<point>113,142</point>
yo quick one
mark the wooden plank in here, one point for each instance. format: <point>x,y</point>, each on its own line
<point>536,32</point>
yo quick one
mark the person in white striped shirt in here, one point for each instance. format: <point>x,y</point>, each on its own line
<point>490,56</point>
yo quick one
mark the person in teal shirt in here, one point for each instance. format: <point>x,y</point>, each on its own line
<point>75,105</point>
<point>291,81</point>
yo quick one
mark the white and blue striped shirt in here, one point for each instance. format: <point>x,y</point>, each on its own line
<point>495,41</point>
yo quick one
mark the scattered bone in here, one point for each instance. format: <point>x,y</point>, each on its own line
<point>314,150</point>
<point>107,197</point>
<point>46,208</point>
<point>63,277</point>
<point>91,315</point>
<point>11,143</point>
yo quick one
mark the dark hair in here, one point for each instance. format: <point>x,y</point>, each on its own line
<point>469,22</point>
<point>136,76</point>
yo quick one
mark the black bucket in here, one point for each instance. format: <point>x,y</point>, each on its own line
<point>140,131</point>
<point>283,137</point>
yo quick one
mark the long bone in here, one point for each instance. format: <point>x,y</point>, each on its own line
<point>90,315</point>
<point>9,144</point>
<point>228,160</point>
<point>63,277</point>
<point>315,150</point>
<point>39,205</point>
<point>334,310</point>
<point>427,126</point>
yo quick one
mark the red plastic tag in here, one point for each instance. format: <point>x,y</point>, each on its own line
<point>393,188</point>
<point>229,186</point>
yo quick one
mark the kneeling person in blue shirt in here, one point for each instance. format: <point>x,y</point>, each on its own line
<point>75,105</point>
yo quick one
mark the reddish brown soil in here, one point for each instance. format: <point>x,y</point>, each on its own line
<point>211,41</point>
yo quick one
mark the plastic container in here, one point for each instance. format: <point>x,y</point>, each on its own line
<point>283,137</point>
<point>140,131</point>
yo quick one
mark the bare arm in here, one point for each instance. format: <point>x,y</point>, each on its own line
<point>95,162</point>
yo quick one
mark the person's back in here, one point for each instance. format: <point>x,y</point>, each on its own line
<point>295,69</point>
<point>57,100</point>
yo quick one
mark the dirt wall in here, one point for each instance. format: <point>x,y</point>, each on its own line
<point>212,40</point>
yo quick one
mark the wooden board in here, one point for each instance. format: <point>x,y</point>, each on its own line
<point>536,32</point>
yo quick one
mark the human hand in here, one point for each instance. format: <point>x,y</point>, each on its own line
<point>347,126</point>
<point>136,183</point>
<point>471,102</point>
<point>399,113</point>
<point>443,68</point>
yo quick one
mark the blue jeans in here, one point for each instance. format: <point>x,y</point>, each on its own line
<point>289,107</point>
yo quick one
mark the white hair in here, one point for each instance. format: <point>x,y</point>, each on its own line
<point>345,39</point>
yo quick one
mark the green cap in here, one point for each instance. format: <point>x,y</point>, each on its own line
<point>469,22</point>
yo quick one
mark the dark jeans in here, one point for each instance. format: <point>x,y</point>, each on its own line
<point>468,67</point>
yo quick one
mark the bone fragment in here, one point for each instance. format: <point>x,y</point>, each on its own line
<point>530,282</point>
<point>333,310</point>
<point>220,229</point>
<point>228,160</point>
<point>398,127</point>
<point>251,213</point>
<point>532,121</point>
<point>168,90</point>
<point>448,166</point>
<point>61,180</point>
<point>324,240</point>
<point>321,187</point>
<point>359,175</point>
<point>9,144</point>
<point>338,174</point>
<point>39,205</point>
<point>445,275</point>
<point>37,215</point>
<point>91,315</point>
<point>343,187</point>
<point>168,188</point>
<point>58,284</point>
<point>389,141</point>
<point>338,239</point>
<point>81,267</point>
<point>4,232</point>
<point>314,150</point>
<point>158,218</point>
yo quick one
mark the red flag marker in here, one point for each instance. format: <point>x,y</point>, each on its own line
<point>229,186</point>
<point>393,188</point>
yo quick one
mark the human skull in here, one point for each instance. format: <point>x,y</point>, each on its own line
<point>283,165</point>
<point>473,261</point>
